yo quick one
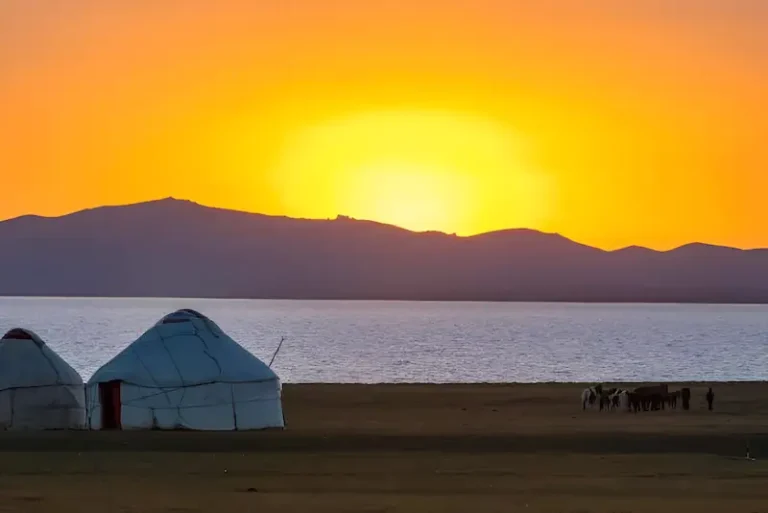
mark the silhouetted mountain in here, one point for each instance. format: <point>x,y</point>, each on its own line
<point>178,248</point>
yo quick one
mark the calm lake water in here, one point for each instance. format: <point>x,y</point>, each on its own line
<point>371,342</point>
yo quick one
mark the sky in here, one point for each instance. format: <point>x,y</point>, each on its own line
<point>612,123</point>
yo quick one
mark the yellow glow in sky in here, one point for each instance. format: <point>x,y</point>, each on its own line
<point>420,170</point>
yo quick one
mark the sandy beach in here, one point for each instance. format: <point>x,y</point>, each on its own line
<point>415,448</point>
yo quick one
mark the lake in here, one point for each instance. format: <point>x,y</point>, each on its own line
<point>375,342</point>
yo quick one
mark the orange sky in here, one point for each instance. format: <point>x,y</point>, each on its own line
<point>613,123</point>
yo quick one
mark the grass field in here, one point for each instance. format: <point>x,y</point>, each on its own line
<point>425,448</point>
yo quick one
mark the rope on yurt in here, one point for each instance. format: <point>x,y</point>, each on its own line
<point>149,373</point>
<point>55,370</point>
<point>210,405</point>
<point>207,349</point>
<point>178,371</point>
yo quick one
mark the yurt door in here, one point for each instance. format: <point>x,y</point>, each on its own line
<point>109,394</point>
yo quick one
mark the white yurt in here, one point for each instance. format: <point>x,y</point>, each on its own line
<point>185,373</point>
<point>38,389</point>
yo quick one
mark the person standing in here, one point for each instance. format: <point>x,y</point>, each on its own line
<point>710,398</point>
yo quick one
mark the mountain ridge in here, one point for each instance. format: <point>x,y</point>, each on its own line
<point>341,217</point>
<point>179,248</point>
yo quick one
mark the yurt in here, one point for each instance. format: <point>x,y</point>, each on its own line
<point>38,389</point>
<point>185,373</point>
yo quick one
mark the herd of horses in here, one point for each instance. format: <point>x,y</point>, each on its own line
<point>646,398</point>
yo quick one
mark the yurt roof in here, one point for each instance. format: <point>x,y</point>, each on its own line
<point>22,334</point>
<point>26,361</point>
<point>184,348</point>
<point>183,315</point>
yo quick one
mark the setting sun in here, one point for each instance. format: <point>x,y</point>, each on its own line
<point>420,170</point>
<point>411,196</point>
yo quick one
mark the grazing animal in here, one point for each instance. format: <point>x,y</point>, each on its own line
<point>621,399</point>
<point>590,395</point>
<point>652,397</point>
<point>685,395</point>
<point>605,402</point>
<point>607,399</point>
<point>672,399</point>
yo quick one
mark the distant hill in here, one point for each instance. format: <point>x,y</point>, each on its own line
<point>181,249</point>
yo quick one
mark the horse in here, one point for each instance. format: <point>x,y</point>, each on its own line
<point>620,398</point>
<point>588,397</point>
<point>605,402</point>
<point>672,398</point>
<point>685,395</point>
<point>634,402</point>
<point>652,397</point>
<point>607,399</point>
